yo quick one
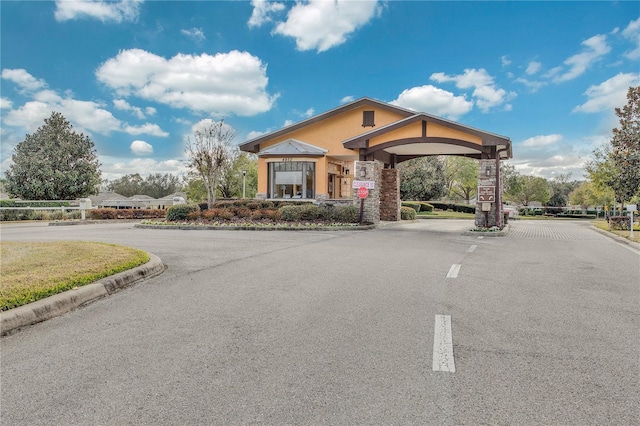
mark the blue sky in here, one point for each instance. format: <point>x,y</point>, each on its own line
<point>140,76</point>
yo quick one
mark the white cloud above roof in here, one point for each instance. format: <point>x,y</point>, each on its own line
<point>541,141</point>
<point>487,95</point>
<point>609,94</point>
<point>595,48</point>
<point>23,79</point>
<point>263,11</point>
<point>105,11</point>
<point>321,24</point>
<point>433,100</point>
<point>632,33</point>
<point>225,83</point>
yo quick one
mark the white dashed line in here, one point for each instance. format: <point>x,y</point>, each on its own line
<point>480,238</point>
<point>472,248</point>
<point>453,272</point>
<point>443,345</point>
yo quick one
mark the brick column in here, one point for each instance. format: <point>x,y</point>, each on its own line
<point>488,173</point>
<point>372,171</point>
<point>390,195</point>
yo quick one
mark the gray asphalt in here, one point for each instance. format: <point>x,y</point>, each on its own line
<point>337,328</point>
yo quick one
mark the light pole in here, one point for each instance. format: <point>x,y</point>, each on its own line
<point>244,182</point>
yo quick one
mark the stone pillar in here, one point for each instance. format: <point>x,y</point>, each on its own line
<point>370,170</point>
<point>488,175</point>
<point>390,195</point>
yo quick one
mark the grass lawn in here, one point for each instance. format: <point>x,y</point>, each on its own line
<point>602,224</point>
<point>449,214</point>
<point>33,271</point>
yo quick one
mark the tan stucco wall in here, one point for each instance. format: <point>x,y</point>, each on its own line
<point>437,131</point>
<point>413,130</point>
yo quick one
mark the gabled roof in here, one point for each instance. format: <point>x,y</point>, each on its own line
<point>293,147</point>
<point>253,145</point>
<point>487,138</point>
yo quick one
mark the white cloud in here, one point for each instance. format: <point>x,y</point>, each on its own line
<point>114,168</point>
<point>195,33</point>
<point>534,86</point>
<point>533,67</point>
<point>23,79</point>
<point>5,103</point>
<point>123,105</point>
<point>115,11</point>
<point>505,61</point>
<point>208,122</point>
<point>150,111</point>
<point>141,148</point>
<point>347,99</point>
<point>632,32</point>
<point>609,94</point>
<point>541,141</point>
<point>595,48</point>
<point>85,116</point>
<point>226,83</point>
<point>487,94</point>
<point>262,12</point>
<point>321,24</point>
<point>146,129</point>
<point>254,134</point>
<point>435,101</point>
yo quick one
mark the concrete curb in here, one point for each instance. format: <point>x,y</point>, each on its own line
<point>618,238</point>
<point>502,233</point>
<point>58,304</point>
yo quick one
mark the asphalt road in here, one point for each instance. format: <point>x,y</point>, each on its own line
<point>338,328</point>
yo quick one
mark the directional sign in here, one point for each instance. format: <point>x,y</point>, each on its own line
<point>363,192</point>
<point>486,194</point>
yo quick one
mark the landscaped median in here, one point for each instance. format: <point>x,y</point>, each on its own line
<point>41,280</point>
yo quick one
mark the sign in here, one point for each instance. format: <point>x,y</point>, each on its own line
<point>369,184</point>
<point>486,194</point>
<point>363,192</point>
<point>631,207</point>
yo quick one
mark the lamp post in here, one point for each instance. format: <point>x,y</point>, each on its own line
<point>244,182</point>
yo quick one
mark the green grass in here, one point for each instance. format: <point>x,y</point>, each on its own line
<point>602,224</point>
<point>33,271</point>
<point>449,214</point>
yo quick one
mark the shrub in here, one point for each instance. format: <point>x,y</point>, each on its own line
<point>180,212</point>
<point>463,208</point>
<point>299,212</point>
<point>426,207</point>
<point>407,213</point>
<point>346,214</point>
<point>243,212</point>
<point>203,206</point>
<point>620,223</point>
<point>412,204</point>
<point>103,214</point>
<point>271,214</point>
<point>254,205</point>
<point>195,215</point>
<point>267,204</point>
<point>440,206</point>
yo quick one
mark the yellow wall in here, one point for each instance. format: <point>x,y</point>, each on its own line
<point>413,130</point>
<point>330,133</point>
<point>435,130</point>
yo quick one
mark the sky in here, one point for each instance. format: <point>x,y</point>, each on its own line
<point>139,77</point>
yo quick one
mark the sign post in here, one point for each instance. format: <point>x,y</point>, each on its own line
<point>363,192</point>
<point>631,208</point>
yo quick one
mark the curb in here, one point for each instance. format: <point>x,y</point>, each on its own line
<point>253,228</point>
<point>502,233</point>
<point>618,238</point>
<point>58,304</point>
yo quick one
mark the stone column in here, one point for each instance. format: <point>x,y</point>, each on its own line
<point>390,195</point>
<point>488,175</point>
<point>370,170</point>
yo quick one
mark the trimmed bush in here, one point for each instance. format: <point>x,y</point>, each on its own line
<point>180,212</point>
<point>440,206</point>
<point>346,214</point>
<point>425,207</point>
<point>412,204</point>
<point>619,223</point>
<point>407,213</point>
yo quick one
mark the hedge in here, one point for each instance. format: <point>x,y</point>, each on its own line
<point>407,213</point>
<point>412,204</point>
<point>180,212</point>
<point>126,213</point>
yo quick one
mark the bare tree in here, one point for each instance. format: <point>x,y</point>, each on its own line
<point>210,154</point>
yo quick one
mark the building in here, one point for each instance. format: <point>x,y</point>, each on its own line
<point>321,157</point>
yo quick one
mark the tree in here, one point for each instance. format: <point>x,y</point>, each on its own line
<point>532,188</point>
<point>626,145</point>
<point>511,181</point>
<point>156,185</point>
<point>422,179</point>
<point>560,187</point>
<point>616,165</point>
<point>127,185</point>
<point>54,163</point>
<point>210,155</point>
<point>462,177</point>
<point>231,182</point>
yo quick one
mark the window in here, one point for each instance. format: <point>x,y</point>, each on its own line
<point>368,119</point>
<point>291,179</point>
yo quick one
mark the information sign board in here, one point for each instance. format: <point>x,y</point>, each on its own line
<point>486,194</point>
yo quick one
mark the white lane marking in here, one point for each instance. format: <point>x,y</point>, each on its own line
<point>472,248</point>
<point>443,345</point>
<point>480,238</point>
<point>454,270</point>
